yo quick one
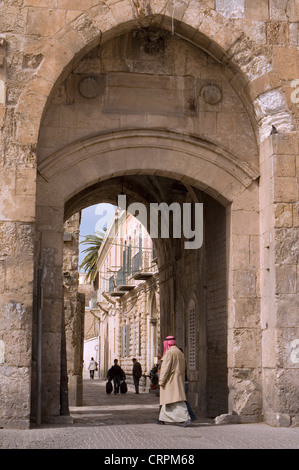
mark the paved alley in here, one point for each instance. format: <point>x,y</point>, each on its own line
<point>127,422</point>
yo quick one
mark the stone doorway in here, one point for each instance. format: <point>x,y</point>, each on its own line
<point>186,276</point>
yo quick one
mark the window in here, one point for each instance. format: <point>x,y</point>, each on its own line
<point>191,336</point>
<point>125,340</point>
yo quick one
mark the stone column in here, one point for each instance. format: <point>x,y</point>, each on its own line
<point>280,250</point>
<point>74,310</point>
<point>50,230</point>
<point>17,214</point>
<point>244,331</point>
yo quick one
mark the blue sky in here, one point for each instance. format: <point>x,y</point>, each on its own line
<point>94,218</point>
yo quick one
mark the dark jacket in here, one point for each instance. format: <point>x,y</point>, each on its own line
<point>116,371</point>
<point>137,370</point>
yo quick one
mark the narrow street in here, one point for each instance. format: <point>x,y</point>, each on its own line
<point>127,423</point>
<point>101,409</point>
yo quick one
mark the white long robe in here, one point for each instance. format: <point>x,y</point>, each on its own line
<point>174,412</point>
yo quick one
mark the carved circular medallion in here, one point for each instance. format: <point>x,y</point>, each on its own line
<point>211,94</point>
<point>89,87</point>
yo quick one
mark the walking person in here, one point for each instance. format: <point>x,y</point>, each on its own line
<point>93,365</point>
<point>190,411</point>
<point>173,408</point>
<point>137,373</point>
<point>116,374</point>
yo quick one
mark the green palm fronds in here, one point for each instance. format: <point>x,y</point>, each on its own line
<point>89,263</point>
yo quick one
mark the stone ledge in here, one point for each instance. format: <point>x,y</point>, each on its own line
<point>237,419</point>
<point>277,419</point>
<point>59,420</point>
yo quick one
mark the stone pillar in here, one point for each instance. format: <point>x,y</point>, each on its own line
<point>50,230</point>
<point>280,249</point>
<point>17,214</point>
<point>244,330</point>
<point>74,310</point>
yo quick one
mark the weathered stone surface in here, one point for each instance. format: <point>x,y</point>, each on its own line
<point>74,310</point>
<point>227,419</point>
<point>277,419</point>
<point>287,310</point>
<point>245,393</point>
<point>15,392</point>
<point>282,397</point>
<point>286,246</point>
<point>248,49</point>
<point>231,9</point>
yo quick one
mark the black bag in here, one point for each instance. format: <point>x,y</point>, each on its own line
<point>109,387</point>
<point>123,387</point>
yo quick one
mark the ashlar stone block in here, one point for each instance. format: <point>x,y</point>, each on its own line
<point>285,189</point>
<point>257,10</point>
<point>286,246</point>
<point>285,165</point>
<point>281,10</point>
<point>44,22</point>
<point>286,62</point>
<point>231,8</point>
<point>283,215</point>
<point>285,279</point>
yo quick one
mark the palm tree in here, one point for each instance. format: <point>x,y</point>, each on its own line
<point>89,263</point>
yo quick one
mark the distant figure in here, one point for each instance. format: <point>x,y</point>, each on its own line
<point>116,374</point>
<point>137,373</point>
<point>93,365</point>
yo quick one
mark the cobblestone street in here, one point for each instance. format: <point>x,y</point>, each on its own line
<point>127,422</point>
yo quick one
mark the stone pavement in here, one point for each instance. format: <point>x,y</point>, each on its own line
<point>127,422</point>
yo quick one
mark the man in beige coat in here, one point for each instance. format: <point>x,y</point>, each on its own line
<point>172,385</point>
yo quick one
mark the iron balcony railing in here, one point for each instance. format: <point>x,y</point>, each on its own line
<point>120,277</point>
<point>140,268</point>
<point>111,284</point>
<point>136,263</point>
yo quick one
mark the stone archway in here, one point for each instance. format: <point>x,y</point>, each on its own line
<point>60,183</point>
<point>206,163</point>
<point>205,159</point>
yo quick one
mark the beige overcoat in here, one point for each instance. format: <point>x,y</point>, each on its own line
<point>172,376</point>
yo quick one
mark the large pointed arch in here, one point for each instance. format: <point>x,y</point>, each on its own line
<point>193,21</point>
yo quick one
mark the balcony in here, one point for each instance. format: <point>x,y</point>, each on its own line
<point>113,291</point>
<point>117,293</point>
<point>141,271</point>
<point>122,282</point>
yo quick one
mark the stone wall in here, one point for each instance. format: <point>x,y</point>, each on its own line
<point>216,301</point>
<point>279,286</point>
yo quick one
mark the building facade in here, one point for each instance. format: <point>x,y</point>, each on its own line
<point>128,298</point>
<point>186,102</point>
